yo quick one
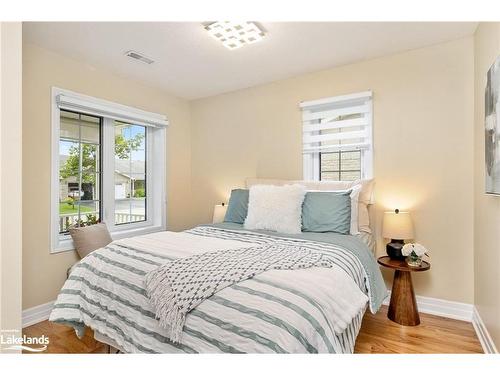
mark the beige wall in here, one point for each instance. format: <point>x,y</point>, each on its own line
<point>10,175</point>
<point>486,207</point>
<point>423,114</point>
<point>44,273</point>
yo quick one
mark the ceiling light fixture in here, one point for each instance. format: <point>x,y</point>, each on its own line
<point>235,34</point>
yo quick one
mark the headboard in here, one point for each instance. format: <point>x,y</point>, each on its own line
<point>366,195</point>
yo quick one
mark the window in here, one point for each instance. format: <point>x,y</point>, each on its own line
<point>337,138</point>
<point>340,165</point>
<point>130,173</point>
<point>108,165</point>
<point>79,170</point>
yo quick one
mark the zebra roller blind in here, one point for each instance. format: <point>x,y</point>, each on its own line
<point>337,124</point>
<point>341,123</point>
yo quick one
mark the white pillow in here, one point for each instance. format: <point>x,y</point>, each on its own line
<point>363,218</point>
<point>355,190</point>
<point>276,208</point>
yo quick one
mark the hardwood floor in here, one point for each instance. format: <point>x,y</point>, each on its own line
<point>434,335</point>
<point>378,335</point>
<point>62,339</point>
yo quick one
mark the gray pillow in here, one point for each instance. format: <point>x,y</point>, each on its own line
<point>327,211</point>
<point>237,208</point>
<point>88,239</point>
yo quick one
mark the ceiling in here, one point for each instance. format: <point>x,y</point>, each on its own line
<point>190,64</point>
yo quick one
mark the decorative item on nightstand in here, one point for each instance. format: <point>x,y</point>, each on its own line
<point>219,213</point>
<point>414,253</point>
<point>398,227</point>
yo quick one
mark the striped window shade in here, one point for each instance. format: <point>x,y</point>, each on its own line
<point>337,124</point>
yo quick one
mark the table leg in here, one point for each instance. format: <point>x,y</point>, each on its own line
<point>403,306</point>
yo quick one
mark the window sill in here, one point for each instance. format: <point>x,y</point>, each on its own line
<point>66,243</point>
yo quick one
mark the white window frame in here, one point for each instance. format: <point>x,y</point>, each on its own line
<point>311,161</point>
<point>155,165</point>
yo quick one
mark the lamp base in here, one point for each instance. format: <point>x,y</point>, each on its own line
<point>393,249</point>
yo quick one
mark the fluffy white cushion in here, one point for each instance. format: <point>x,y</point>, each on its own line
<point>276,208</point>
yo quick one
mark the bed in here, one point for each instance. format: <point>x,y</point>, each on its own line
<point>314,310</point>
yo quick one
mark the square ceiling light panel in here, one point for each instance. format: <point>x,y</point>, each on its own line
<point>235,34</point>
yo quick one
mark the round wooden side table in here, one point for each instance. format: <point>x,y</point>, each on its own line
<point>403,307</point>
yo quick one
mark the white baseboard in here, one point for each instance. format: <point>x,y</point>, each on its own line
<point>442,307</point>
<point>37,314</point>
<point>482,334</point>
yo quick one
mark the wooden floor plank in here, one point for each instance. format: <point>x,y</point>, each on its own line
<point>377,335</point>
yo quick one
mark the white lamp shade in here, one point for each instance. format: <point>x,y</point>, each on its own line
<point>397,226</point>
<point>219,213</point>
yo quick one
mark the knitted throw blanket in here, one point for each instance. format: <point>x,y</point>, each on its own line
<point>177,287</point>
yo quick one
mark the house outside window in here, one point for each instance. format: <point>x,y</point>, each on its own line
<point>337,138</point>
<point>107,166</point>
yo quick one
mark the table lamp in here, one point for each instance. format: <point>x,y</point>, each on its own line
<point>219,213</point>
<point>398,227</point>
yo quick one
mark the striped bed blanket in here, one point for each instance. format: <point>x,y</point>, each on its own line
<point>313,310</point>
